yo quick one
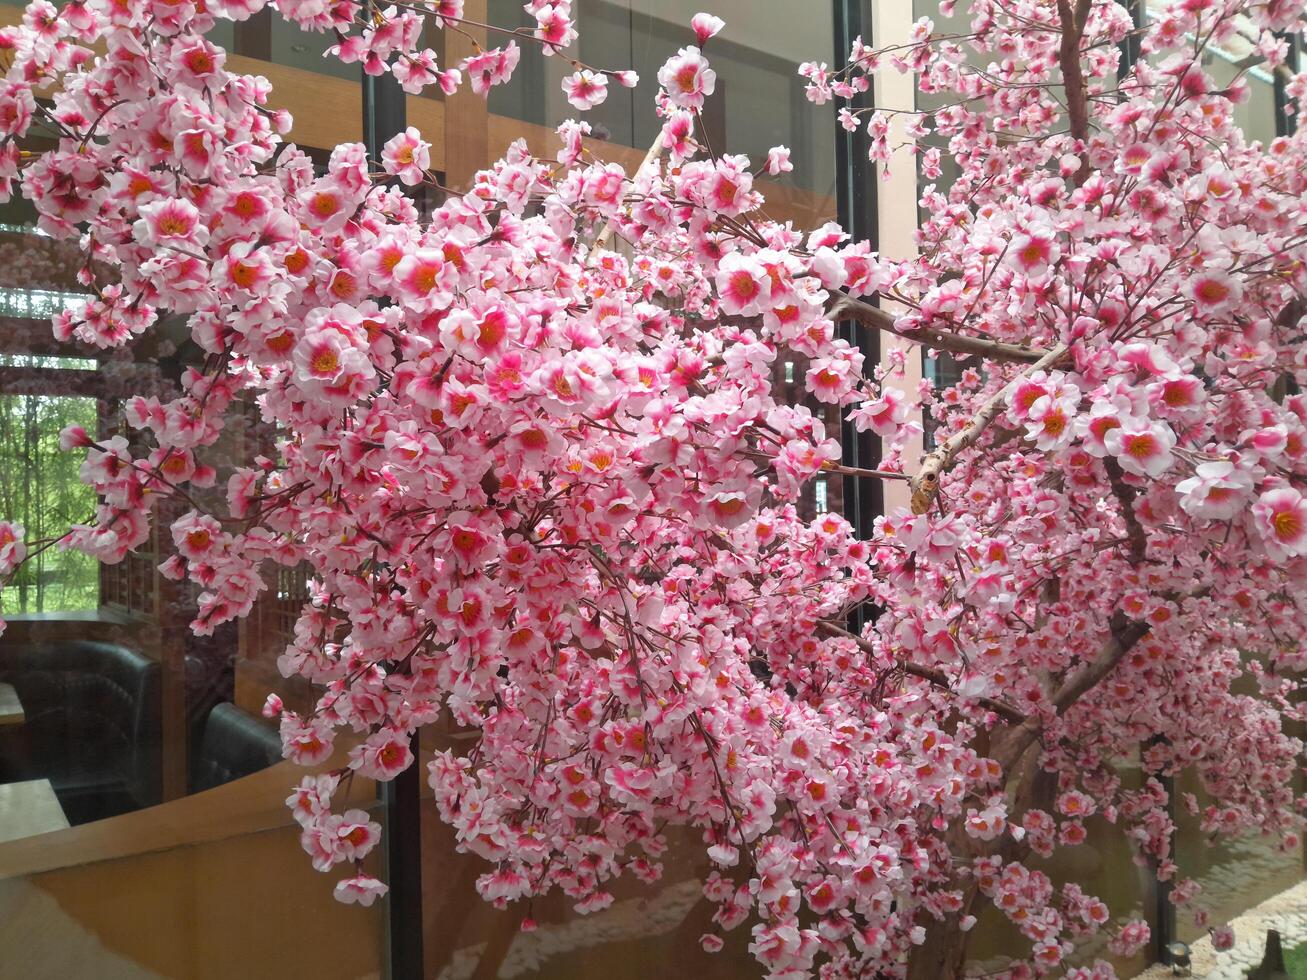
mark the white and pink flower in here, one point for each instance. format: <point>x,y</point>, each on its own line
<point>1141,447</point>
<point>778,161</point>
<point>687,79</point>
<point>12,547</point>
<point>706,26</point>
<point>1280,517</point>
<point>585,89</point>
<point>1218,491</point>
<point>408,156</point>
<point>1034,252</point>
<point>1214,292</point>
<point>362,888</point>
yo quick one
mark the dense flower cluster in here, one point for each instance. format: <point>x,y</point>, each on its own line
<point>547,490</point>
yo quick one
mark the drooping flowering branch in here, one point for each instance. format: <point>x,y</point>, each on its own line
<point>925,484</point>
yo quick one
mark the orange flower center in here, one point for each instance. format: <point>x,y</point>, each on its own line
<point>325,362</point>
<point>1287,525</point>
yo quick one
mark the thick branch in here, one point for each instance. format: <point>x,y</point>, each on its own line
<point>1125,495</point>
<point>936,677</point>
<point>925,485</point>
<point>846,307</point>
<point>1125,633</point>
<point>1073,77</point>
<point>859,471</point>
<point>1011,744</point>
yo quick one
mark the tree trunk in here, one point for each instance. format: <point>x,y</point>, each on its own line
<point>943,954</point>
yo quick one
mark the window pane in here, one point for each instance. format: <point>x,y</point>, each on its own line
<point>758,102</point>
<point>110,707</point>
<point>40,488</point>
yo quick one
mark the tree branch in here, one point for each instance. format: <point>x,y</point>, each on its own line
<point>925,485</point>
<point>1073,77</point>
<point>859,471</point>
<point>1125,495</point>
<point>844,307</point>
<point>936,677</point>
<point>1011,744</point>
<point>1124,634</point>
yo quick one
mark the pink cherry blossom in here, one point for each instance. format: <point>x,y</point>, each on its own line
<point>363,889</point>
<point>1280,517</point>
<point>536,458</point>
<point>778,160</point>
<point>1051,421</point>
<point>554,25</point>
<point>1141,447</point>
<point>12,548</point>
<point>743,284</point>
<point>1217,491</point>
<point>585,89</point>
<point>407,156</point>
<point>170,222</point>
<point>706,26</point>
<point>1213,292</point>
<point>356,835</point>
<point>1034,252</point>
<point>490,68</point>
<point>687,79</point>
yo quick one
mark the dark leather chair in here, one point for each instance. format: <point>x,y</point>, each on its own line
<point>92,725</point>
<point>234,744</point>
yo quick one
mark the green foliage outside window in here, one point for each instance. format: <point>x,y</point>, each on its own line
<point>39,488</point>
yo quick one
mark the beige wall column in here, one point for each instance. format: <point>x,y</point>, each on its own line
<point>466,115</point>
<point>896,207</point>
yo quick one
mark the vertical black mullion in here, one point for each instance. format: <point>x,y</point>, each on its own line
<point>252,37</point>
<point>1163,927</point>
<point>855,195</point>
<point>1130,46</point>
<point>1286,122</point>
<point>384,112</point>
<point>384,115</point>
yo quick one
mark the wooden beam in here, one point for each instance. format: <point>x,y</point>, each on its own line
<point>76,382</point>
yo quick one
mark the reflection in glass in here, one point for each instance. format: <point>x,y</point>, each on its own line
<point>40,488</point>
<point>1104,866</point>
<point>758,101</point>
<point>108,703</point>
<point>305,50</point>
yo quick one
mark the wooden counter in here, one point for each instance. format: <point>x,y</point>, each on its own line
<point>11,709</point>
<point>29,809</point>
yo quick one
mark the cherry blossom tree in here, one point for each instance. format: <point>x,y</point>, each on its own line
<point>531,452</point>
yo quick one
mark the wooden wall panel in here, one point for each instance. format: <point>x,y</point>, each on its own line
<point>465,111</point>
<point>244,906</point>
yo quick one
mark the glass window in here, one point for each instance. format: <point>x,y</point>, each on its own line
<point>109,705</point>
<point>40,488</point>
<point>758,101</point>
<point>295,48</point>
<point>111,708</point>
<point>1103,865</point>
